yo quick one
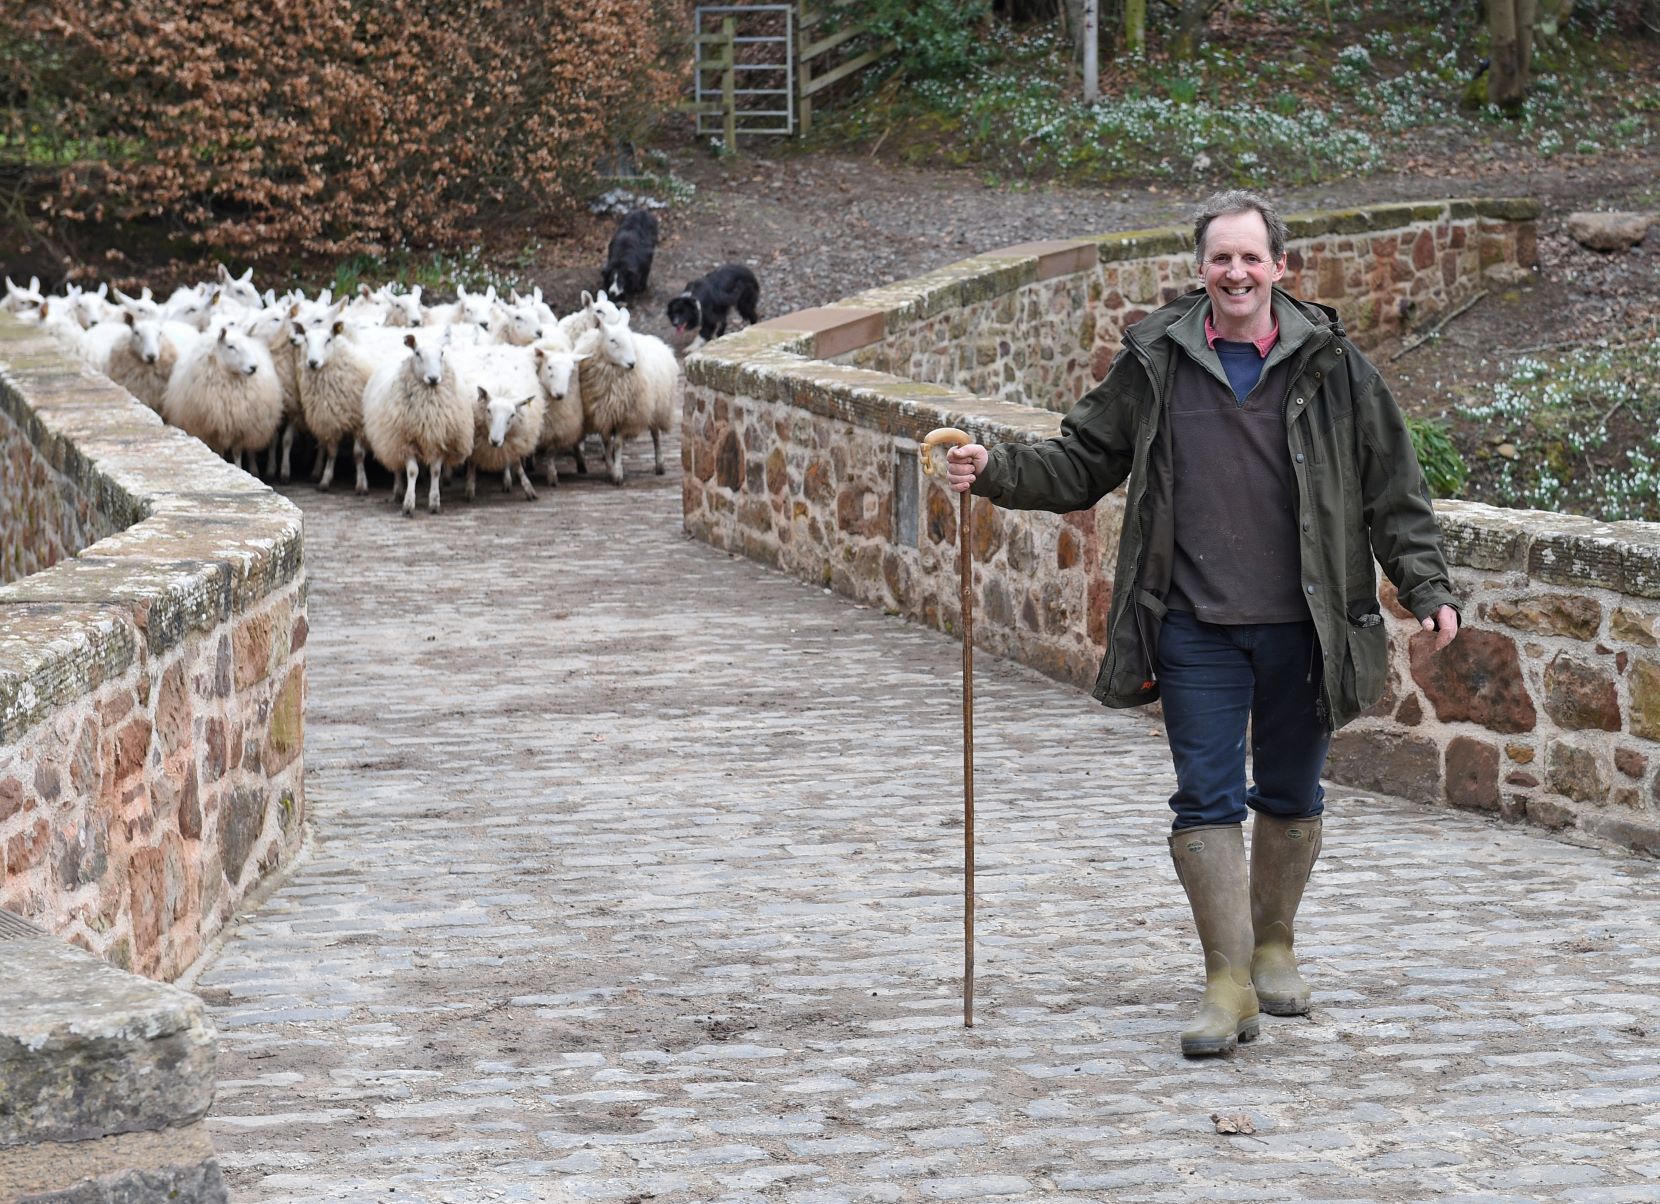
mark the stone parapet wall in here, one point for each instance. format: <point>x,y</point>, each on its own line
<point>800,450</point>
<point>1039,323</point>
<point>152,682</point>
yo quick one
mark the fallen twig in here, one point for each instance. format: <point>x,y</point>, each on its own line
<point>1436,329</point>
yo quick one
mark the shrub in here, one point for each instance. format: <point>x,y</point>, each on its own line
<point>323,127</point>
<point>1443,466</point>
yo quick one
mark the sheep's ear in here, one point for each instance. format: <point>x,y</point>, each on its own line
<point>522,403</point>
<point>461,291</point>
<point>325,297</point>
<point>34,284</point>
<point>541,356</point>
<point>483,394</point>
<point>103,291</point>
<point>224,276</point>
<point>338,328</point>
<point>513,296</point>
<point>587,299</point>
<point>579,356</point>
<point>294,310</point>
<point>490,292</point>
<point>120,296</point>
<point>416,292</point>
<point>128,317</point>
<point>537,293</point>
<point>409,341</point>
<point>223,331</point>
<point>246,277</point>
<point>362,288</point>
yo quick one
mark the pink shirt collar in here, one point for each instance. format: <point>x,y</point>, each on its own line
<point>1264,345</point>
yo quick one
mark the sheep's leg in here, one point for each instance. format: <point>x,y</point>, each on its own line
<point>436,467</point>
<point>362,475</point>
<point>553,468</point>
<point>397,484</point>
<point>328,467</point>
<point>525,486</point>
<point>286,471</point>
<point>472,480</point>
<point>581,460</point>
<point>657,452</point>
<point>412,470</point>
<point>507,478</point>
<point>317,465</point>
<point>613,457</point>
<point>271,460</point>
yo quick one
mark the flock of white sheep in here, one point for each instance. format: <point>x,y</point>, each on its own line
<point>486,382</point>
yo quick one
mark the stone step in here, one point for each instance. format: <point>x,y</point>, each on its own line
<point>107,1080</point>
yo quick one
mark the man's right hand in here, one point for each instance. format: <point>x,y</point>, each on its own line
<point>963,464</point>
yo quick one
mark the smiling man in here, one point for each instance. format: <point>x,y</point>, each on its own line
<point>1268,469</point>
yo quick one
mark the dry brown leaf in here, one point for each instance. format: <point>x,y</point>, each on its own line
<point>1240,1124</point>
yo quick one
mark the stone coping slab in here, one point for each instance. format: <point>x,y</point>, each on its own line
<point>87,1050</point>
<point>107,1075</point>
<point>195,541</point>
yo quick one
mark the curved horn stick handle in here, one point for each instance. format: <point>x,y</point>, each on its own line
<point>949,436</point>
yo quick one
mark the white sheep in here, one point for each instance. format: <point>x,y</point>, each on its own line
<point>224,390</point>
<point>333,372</point>
<point>272,325</point>
<point>505,433</point>
<point>630,384</point>
<point>143,363</point>
<point>18,299</point>
<point>564,423</point>
<point>506,374</point>
<point>414,412</point>
<point>402,309</point>
<point>237,294</point>
<point>595,309</point>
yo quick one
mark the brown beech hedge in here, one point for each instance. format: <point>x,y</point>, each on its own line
<point>258,128</point>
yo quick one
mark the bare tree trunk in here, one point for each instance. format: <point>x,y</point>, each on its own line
<point>1092,54</point>
<point>1190,28</point>
<point>1135,26</point>
<point>1510,32</point>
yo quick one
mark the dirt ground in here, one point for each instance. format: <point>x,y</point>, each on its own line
<point>817,228</point>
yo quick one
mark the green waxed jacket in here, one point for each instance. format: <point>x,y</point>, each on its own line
<point>1360,494</point>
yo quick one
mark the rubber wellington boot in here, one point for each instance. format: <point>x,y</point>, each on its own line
<point>1283,852</point>
<point>1210,861</point>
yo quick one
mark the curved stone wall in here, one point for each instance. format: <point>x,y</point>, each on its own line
<point>152,669</point>
<point>800,450</point>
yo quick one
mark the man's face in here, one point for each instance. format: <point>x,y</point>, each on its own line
<point>1239,274</point>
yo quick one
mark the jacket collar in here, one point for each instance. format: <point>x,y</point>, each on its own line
<point>1303,325</point>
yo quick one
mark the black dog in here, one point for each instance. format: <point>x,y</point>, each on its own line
<point>708,299</point>
<point>627,268</point>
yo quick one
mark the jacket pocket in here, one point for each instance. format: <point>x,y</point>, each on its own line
<point>1365,659</point>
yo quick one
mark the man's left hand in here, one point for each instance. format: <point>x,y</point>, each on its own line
<point>1444,623</point>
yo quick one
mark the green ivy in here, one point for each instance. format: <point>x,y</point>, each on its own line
<point>1444,469</point>
<point>934,39</point>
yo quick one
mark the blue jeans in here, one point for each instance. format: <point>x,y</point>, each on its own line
<point>1213,679</point>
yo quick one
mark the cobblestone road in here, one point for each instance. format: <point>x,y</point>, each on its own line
<point>635,876</point>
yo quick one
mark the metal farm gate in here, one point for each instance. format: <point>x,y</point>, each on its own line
<point>745,70</point>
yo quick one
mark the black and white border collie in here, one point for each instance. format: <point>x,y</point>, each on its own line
<point>627,269</point>
<point>707,301</point>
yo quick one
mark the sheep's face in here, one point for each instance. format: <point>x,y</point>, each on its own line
<point>500,414</point>
<point>319,343</point>
<point>191,308</point>
<point>402,309</point>
<point>603,309</point>
<point>239,290</point>
<point>428,360</point>
<point>267,324</point>
<point>556,370</point>
<point>476,308</point>
<point>146,339</point>
<point>523,326</point>
<point>616,343</point>
<point>19,298</point>
<point>236,351</point>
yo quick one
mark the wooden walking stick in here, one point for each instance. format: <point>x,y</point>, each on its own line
<point>950,436</point>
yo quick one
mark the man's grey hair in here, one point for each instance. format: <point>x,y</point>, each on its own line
<point>1238,200</point>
